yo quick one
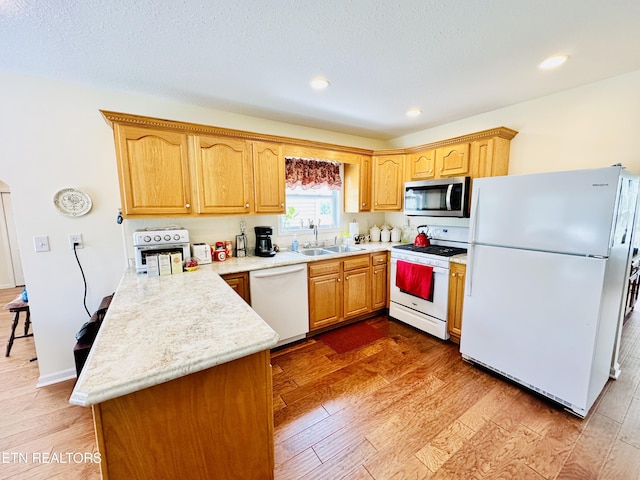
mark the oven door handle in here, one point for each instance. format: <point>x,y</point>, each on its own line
<point>449,191</point>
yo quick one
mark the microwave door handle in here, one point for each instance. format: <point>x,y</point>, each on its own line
<point>449,190</point>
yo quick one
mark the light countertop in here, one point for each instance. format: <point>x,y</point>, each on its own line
<point>161,328</point>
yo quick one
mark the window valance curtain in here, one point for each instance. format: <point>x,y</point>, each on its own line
<point>308,173</point>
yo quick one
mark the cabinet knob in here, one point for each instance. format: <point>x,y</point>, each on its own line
<point>453,274</point>
<point>188,205</point>
<point>346,278</point>
<point>338,280</point>
<point>246,205</point>
<point>440,168</point>
<point>282,204</point>
<point>363,204</point>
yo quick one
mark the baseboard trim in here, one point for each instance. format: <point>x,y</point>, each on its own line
<point>56,377</point>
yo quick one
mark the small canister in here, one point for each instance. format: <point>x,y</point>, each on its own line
<point>228,246</point>
<point>219,254</point>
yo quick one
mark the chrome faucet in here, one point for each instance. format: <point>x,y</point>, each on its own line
<point>314,225</point>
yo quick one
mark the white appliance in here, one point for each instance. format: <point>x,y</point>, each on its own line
<point>279,295</point>
<point>202,251</point>
<point>547,268</point>
<point>154,241</point>
<point>426,314</point>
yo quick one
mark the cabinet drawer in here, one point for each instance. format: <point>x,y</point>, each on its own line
<point>379,258</point>
<point>361,261</point>
<point>317,269</point>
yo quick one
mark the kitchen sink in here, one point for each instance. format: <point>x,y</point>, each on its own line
<point>343,248</point>
<point>314,252</point>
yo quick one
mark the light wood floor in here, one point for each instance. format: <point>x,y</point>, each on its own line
<point>405,406</point>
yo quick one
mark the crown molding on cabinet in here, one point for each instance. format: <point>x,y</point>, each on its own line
<point>296,146</point>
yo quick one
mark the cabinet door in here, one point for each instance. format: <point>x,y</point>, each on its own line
<point>223,175</point>
<point>357,185</point>
<point>153,169</point>
<point>366,175</point>
<point>357,292</point>
<point>268,174</point>
<point>379,287</point>
<point>325,300</point>
<point>453,160</point>
<point>422,165</point>
<point>456,300</point>
<point>388,181</point>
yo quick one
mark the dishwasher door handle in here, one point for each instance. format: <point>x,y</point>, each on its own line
<point>279,273</point>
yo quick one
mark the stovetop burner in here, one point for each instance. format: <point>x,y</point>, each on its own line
<point>440,250</point>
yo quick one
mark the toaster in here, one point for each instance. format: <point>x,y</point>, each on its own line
<point>202,251</point>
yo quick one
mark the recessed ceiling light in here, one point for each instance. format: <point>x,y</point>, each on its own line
<point>319,83</point>
<point>553,62</point>
<point>414,112</point>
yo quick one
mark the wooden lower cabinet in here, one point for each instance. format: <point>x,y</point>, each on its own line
<point>325,293</point>
<point>340,290</point>
<point>379,281</point>
<point>457,274</point>
<point>216,423</point>
<point>240,283</point>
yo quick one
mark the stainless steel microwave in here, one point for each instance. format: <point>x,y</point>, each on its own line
<point>443,197</point>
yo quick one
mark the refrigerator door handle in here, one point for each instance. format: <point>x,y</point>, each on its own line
<point>472,242</point>
<point>449,190</point>
<point>468,284</point>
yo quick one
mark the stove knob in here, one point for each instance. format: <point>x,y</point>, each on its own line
<point>157,238</point>
<point>147,238</point>
<point>176,237</point>
<point>167,237</point>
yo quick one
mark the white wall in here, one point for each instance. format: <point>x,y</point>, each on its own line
<point>52,136</point>
<point>591,126</point>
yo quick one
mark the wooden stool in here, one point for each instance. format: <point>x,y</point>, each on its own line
<point>17,306</point>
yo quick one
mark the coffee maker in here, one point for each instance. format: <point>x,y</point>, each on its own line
<point>264,247</point>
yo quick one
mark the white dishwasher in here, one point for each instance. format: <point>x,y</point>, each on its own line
<point>280,297</point>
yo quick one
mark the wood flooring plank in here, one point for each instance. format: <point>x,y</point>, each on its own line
<point>617,399</point>
<point>623,463</point>
<point>297,466</point>
<point>630,430</point>
<point>591,449</point>
<point>494,453</point>
<point>444,445</point>
<point>343,464</point>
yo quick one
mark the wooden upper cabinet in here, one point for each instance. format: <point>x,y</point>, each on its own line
<point>222,174</point>
<point>153,168</point>
<point>422,165</point>
<point>490,157</point>
<point>388,182</point>
<point>453,160</point>
<point>357,185</point>
<point>366,176</point>
<point>268,173</point>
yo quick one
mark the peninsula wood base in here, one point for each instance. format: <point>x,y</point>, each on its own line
<point>217,423</point>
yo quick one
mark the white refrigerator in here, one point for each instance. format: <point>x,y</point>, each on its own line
<point>548,263</point>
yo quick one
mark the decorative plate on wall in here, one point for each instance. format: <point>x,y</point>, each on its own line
<point>72,202</point>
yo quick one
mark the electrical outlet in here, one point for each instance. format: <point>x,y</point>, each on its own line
<point>77,239</point>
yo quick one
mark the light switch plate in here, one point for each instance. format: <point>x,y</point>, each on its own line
<point>41,243</point>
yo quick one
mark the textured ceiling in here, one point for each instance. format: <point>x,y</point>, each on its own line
<point>450,59</point>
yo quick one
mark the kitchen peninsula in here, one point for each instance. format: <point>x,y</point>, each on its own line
<point>179,380</point>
